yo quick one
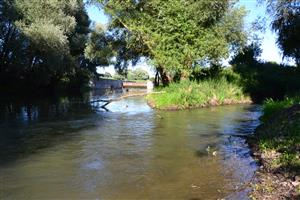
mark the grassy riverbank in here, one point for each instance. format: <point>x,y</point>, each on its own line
<point>192,94</point>
<point>276,144</point>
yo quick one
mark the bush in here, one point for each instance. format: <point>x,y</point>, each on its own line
<point>118,76</point>
<point>188,94</point>
<point>215,72</point>
<point>79,80</point>
<point>263,80</point>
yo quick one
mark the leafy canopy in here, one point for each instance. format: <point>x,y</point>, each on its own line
<point>47,23</point>
<point>42,43</point>
<point>138,74</point>
<point>176,34</point>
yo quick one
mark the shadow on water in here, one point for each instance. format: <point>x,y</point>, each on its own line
<point>29,124</point>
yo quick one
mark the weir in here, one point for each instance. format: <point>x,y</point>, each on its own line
<point>119,84</point>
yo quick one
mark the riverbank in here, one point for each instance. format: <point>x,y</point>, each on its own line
<point>276,145</point>
<point>190,94</point>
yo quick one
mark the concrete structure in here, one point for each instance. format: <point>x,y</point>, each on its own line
<point>108,84</point>
<point>134,85</point>
<point>119,84</point>
<point>150,86</point>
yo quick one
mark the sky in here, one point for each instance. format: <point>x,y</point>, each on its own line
<point>270,51</point>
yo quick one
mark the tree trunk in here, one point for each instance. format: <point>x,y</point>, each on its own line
<point>156,79</point>
<point>5,49</point>
<point>32,62</point>
<point>165,78</point>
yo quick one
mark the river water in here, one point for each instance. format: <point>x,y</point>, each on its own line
<point>64,149</point>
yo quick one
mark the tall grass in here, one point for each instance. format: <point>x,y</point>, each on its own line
<point>271,107</point>
<point>188,94</point>
<point>280,131</point>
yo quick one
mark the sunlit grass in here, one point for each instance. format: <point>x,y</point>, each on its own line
<point>188,94</point>
<point>281,132</point>
<point>272,107</point>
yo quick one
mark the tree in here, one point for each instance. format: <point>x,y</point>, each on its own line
<point>259,78</point>
<point>248,56</point>
<point>42,43</point>
<point>47,24</point>
<point>9,35</point>
<point>98,48</point>
<point>286,23</point>
<point>177,34</point>
<point>138,74</point>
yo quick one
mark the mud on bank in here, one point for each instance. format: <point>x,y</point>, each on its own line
<point>276,146</point>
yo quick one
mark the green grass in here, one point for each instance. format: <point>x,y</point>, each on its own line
<point>187,94</point>
<point>280,132</point>
<point>271,107</point>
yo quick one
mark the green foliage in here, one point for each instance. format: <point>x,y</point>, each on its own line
<point>263,80</point>
<point>176,34</point>
<point>188,94</point>
<point>98,48</point>
<point>248,56</point>
<point>137,74</point>
<point>46,23</point>
<point>215,72</point>
<point>107,75</point>
<point>286,23</point>
<point>80,79</point>
<point>272,108</point>
<point>118,76</point>
<point>280,132</point>
<point>42,43</point>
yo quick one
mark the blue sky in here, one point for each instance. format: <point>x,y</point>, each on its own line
<point>270,50</point>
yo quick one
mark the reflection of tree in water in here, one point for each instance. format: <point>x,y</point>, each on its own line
<point>27,125</point>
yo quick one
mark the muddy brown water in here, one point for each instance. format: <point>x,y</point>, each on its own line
<point>66,150</point>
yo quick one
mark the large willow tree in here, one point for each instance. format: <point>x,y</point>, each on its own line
<point>177,34</point>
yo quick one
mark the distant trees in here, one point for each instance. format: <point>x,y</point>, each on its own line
<point>174,34</point>
<point>42,43</point>
<point>118,76</point>
<point>137,74</point>
<point>133,75</point>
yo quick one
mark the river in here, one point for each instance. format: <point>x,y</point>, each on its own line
<point>64,149</point>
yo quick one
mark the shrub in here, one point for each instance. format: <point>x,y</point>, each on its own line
<point>195,94</point>
<point>263,80</point>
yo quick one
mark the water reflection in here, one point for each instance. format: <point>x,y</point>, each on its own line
<point>27,125</point>
<point>77,151</point>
